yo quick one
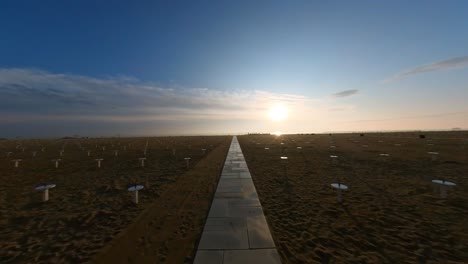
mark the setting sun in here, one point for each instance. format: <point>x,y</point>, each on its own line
<point>278,113</point>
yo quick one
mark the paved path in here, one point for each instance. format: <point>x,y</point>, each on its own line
<point>236,230</point>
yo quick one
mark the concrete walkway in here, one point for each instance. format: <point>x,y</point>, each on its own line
<point>236,230</point>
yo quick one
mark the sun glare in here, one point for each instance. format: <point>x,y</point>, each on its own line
<point>278,113</point>
<point>277,133</point>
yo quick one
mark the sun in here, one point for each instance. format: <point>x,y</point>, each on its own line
<point>278,113</point>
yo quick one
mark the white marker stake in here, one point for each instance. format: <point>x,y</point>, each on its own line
<point>339,188</point>
<point>34,153</point>
<point>89,153</point>
<point>45,188</point>
<point>98,162</point>
<point>142,160</point>
<point>43,149</point>
<point>443,187</point>
<point>433,155</point>
<point>17,161</point>
<point>187,161</point>
<point>116,153</point>
<point>135,189</point>
<point>285,165</point>
<point>61,153</point>
<point>203,151</point>
<point>104,148</point>
<point>173,152</point>
<point>56,162</point>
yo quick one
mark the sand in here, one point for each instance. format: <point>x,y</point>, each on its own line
<point>90,216</point>
<point>391,213</point>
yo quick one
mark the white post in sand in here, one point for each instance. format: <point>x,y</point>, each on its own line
<point>89,153</point>
<point>61,153</point>
<point>173,151</point>
<point>187,161</point>
<point>116,153</point>
<point>142,160</point>
<point>144,152</point>
<point>339,188</point>
<point>17,161</point>
<point>135,188</point>
<point>443,187</point>
<point>433,155</point>
<point>56,162</point>
<point>45,188</point>
<point>203,151</point>
<point>384,159</point>
<point>99,162</point>
<point>42,149</point>
<point>284,160</point>
<point>34,153</point>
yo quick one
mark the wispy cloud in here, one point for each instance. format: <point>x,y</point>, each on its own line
<point>346,93</point>
<point>35,96</point>
<point>457,62</point>
<point>430,116</point>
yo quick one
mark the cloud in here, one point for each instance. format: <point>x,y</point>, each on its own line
<point>33,97</point>
<point>429,116</point>
<point>345,93</point>
<point>457,62</point>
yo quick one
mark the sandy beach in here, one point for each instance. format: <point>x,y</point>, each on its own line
<point>90,215</point>
<point>391,213</point>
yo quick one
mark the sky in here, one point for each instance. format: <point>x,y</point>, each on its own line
<point>141,68</point>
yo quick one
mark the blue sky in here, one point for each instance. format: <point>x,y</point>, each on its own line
<point>202,67</point>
